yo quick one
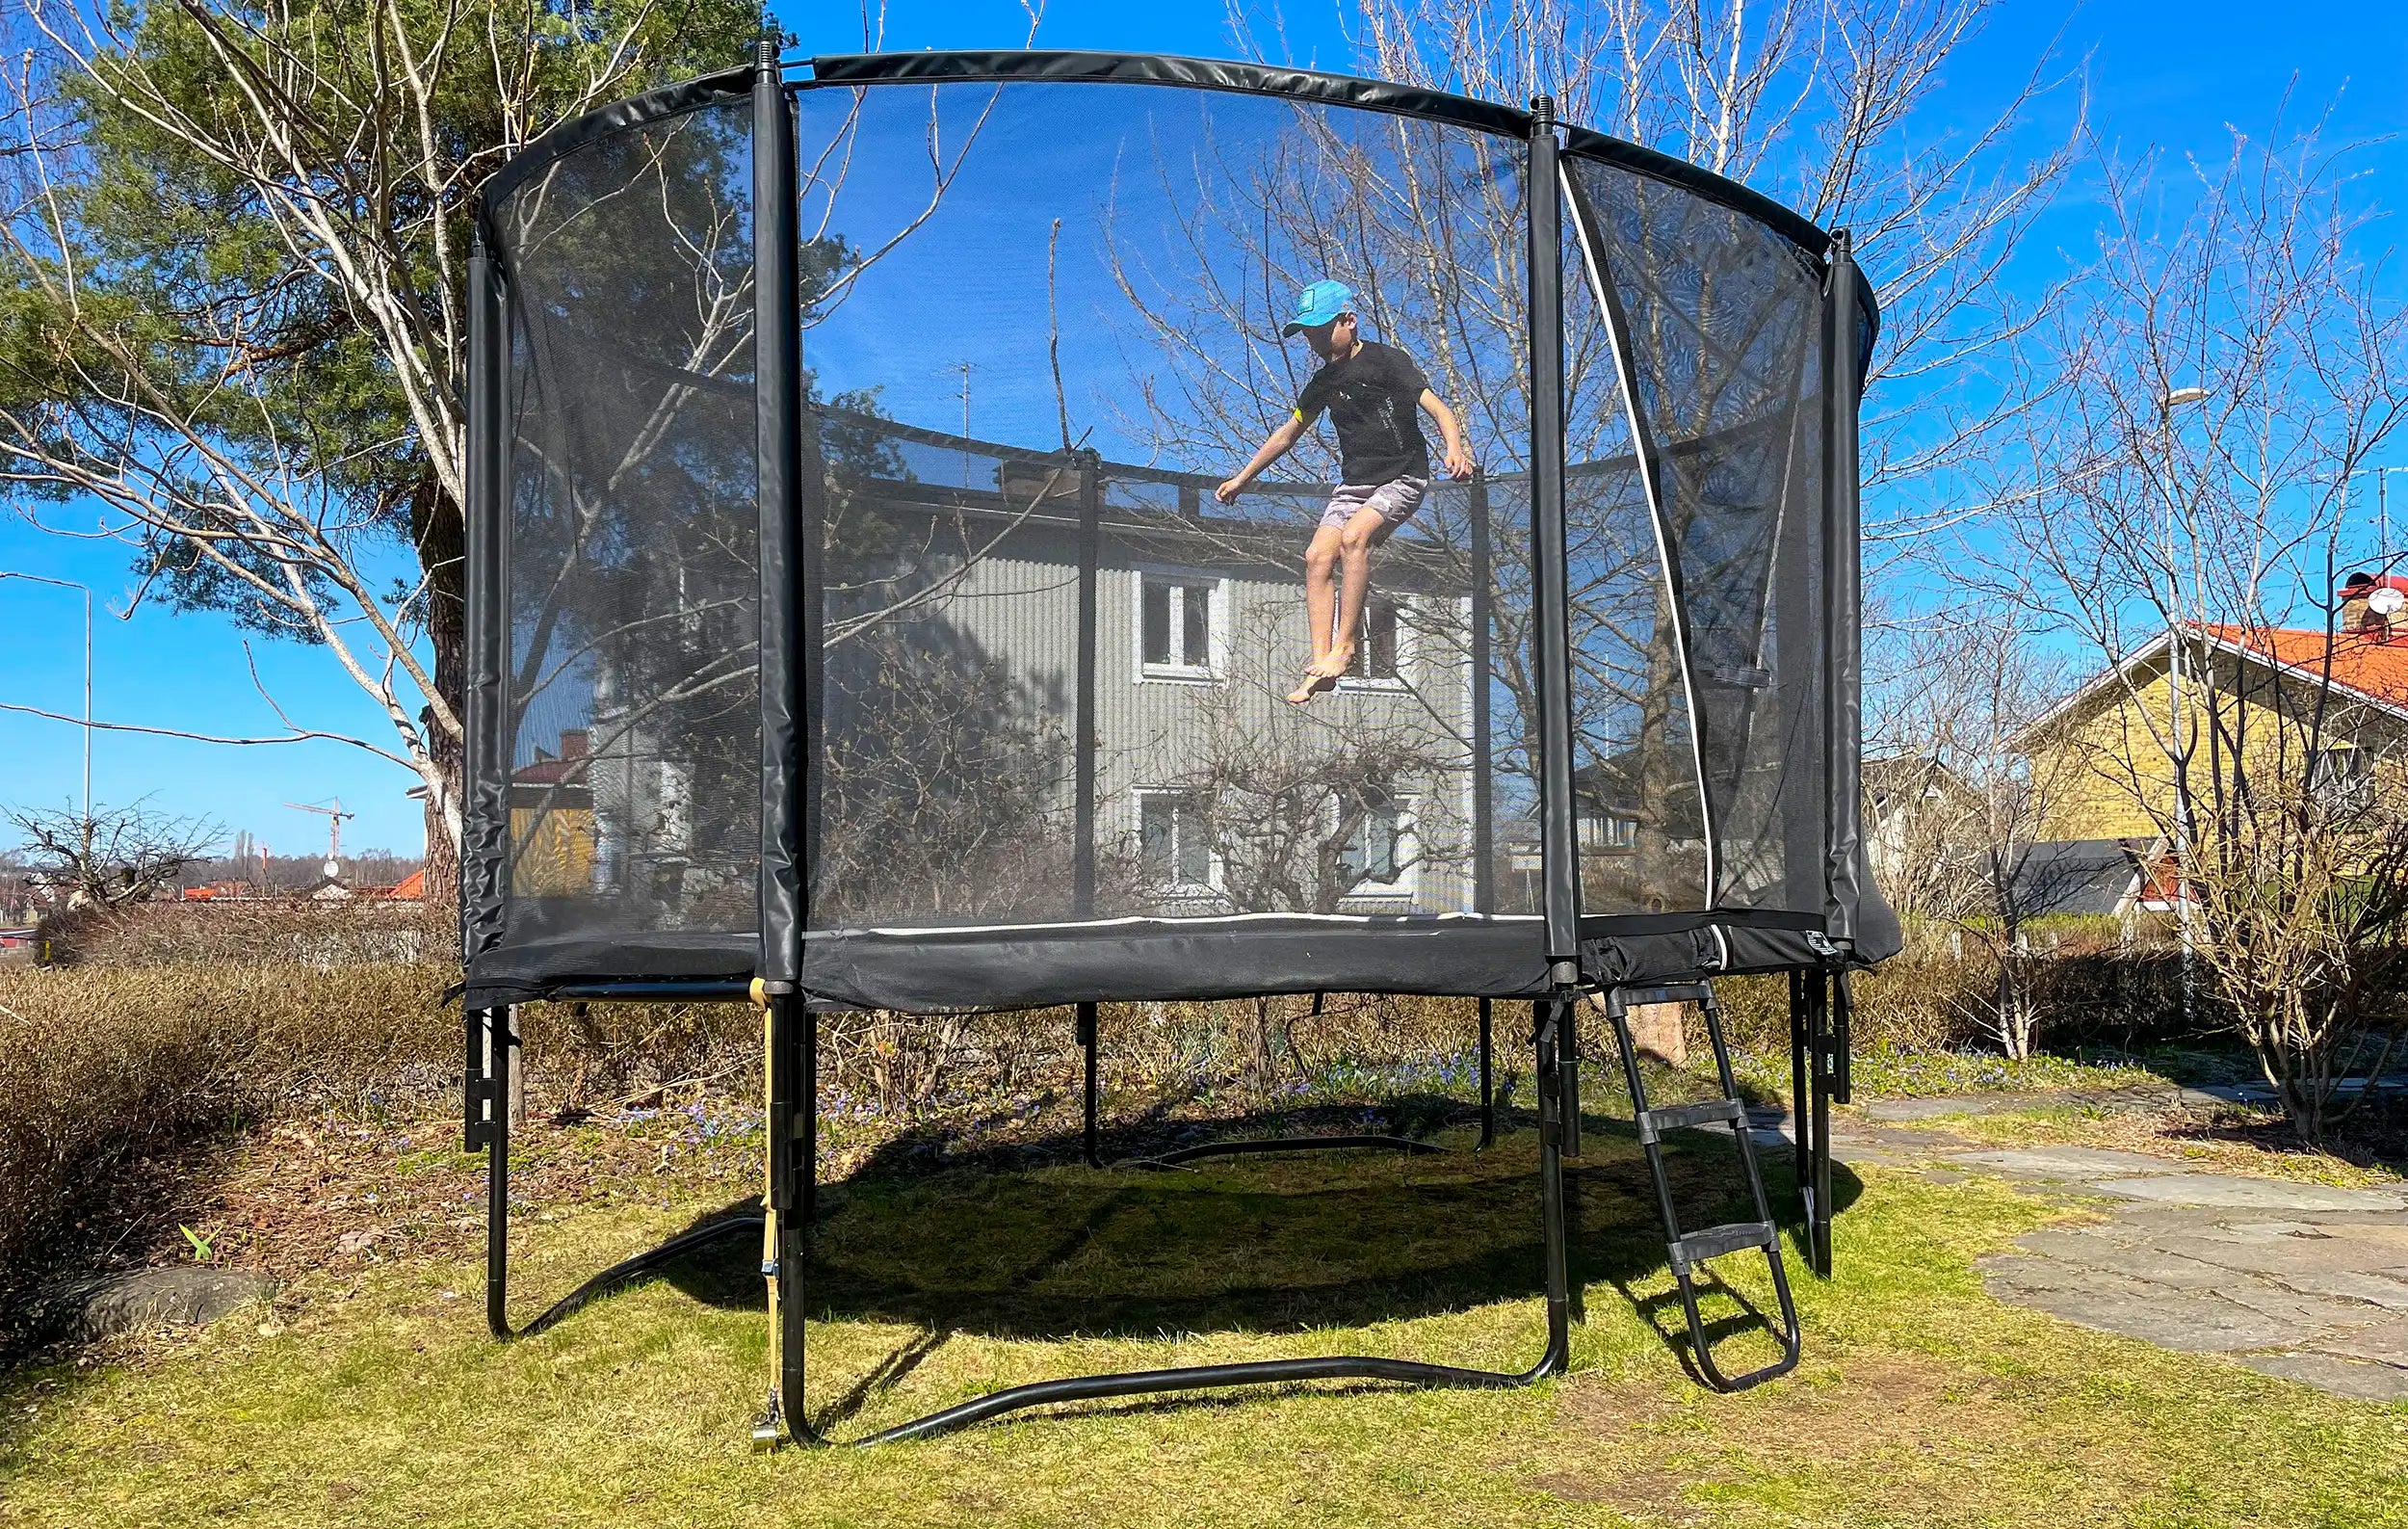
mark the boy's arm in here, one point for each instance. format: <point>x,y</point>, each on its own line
<point>1271,450</point>
<point>1459,456</point>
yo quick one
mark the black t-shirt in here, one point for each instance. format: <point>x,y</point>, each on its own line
<point>1374,399</point>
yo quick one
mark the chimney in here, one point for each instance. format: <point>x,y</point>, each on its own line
<point>2375,608</point>
<point>575,742</point>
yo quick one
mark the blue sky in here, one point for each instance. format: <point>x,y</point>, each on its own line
<point>2163,74</point>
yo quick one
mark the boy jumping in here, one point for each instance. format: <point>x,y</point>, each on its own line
<point>1372,393</point>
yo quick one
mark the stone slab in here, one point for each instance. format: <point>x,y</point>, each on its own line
<point>2309,1317</point>
<point>2216,1094</point>
<point>2194,1322</point>
<point>2357,1378</point>
<point>2279,1256</point>
<point>2100,1248</point>
<point>2386,1341</point>
<point>2255,1194</point>
<point>2069,1162</point>
<point>1901,1110</point>
<point>2378,1290</point>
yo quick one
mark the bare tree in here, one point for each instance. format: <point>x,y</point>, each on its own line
<point>1300,819</point>
<point>110,859</point>
<point>2229,368</point>
<point>1962,831</point>
<point>1827,105</point>
<point>236,241</point>
<point>1816,101</point>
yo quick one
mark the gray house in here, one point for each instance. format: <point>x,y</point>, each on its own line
<point>952,599</point>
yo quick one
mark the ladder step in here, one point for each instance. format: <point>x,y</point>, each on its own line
<point>1652,1124</point>
<point>1714,1241</point>
<point>1622,999</point>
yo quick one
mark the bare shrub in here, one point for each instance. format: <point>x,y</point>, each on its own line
<point>106,859</point>
<point>103,1067</point>
<point>319,935</point>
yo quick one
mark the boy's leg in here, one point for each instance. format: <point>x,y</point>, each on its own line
<point>1321,599</point>
<point>1321,592</point>
<point>1368,528</point>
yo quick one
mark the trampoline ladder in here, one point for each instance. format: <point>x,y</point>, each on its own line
<point>1688,1251</point>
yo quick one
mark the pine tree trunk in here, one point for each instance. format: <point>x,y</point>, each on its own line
<point>436,525</point>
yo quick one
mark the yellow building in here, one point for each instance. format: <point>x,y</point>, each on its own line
<point>552,828</point>
<point>2276,709</point>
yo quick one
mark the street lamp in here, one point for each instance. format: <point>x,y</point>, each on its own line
<point>69,584</point>
<point>2179,758</point>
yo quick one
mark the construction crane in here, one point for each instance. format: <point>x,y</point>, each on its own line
<point>335,816</point>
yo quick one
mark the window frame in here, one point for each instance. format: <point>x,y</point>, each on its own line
<point>1407,887</point>
<point>1213,876</point>
<point>1400,681</point>
<point>1186,580</point>
<point>2349,790</point>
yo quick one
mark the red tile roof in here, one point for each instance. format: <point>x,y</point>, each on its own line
<point>2361,661</point>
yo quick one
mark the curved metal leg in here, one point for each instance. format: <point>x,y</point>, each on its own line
<point>491,1037</point>
<point>787,1301</point>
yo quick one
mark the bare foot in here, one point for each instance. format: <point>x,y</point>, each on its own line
<point>1314,685</point>
<point>1332,665</point>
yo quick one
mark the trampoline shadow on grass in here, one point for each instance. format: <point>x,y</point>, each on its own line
<point>1268,1245</point>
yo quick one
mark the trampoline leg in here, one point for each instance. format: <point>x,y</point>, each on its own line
<point>1801,1113</point>
<point>1487,1079</point>
<point>1090,1091</point>
<point>1551,1016</point>
<point>1819,1068</point>
<point>496,1129</point>
<point>789,1037</point>
<point>1556,1357</point>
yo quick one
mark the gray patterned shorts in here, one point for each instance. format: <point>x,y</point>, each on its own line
<point>1396,500</point>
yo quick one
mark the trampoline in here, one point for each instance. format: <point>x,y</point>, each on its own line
<point>860,616</point>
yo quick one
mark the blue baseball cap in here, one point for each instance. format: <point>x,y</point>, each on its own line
<point>1318,304</point>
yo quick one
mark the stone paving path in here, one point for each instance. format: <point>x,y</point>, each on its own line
<point>2301,1281</point>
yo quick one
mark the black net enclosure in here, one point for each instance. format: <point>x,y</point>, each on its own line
<point>1001,530</point>
<point>979,695</point>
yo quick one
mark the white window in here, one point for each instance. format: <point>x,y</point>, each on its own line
<point>1603,831</point>
<point>1180,620</point>
<point>2341,779</point>
<point>1377,858</point>
<point>1175,839</point>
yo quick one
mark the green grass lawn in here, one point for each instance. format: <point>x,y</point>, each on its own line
<point>374,1396</point>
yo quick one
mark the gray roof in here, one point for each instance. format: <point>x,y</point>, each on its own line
<point>2079,876</point>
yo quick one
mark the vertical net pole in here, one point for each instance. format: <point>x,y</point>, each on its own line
<point>1843,695</point>
<point>1089,465</point>
<point>812,643</point>
<point>777,415</point>
<point>1483,741</point>
<point>485,808</point>
<point>1559,847</point>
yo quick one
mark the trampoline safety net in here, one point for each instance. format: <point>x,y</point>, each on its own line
<point>1044,657</point>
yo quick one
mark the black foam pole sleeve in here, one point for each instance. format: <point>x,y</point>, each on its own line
<point>1559,847</point>
<point>1843,597</point>
<point>777,415</point>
